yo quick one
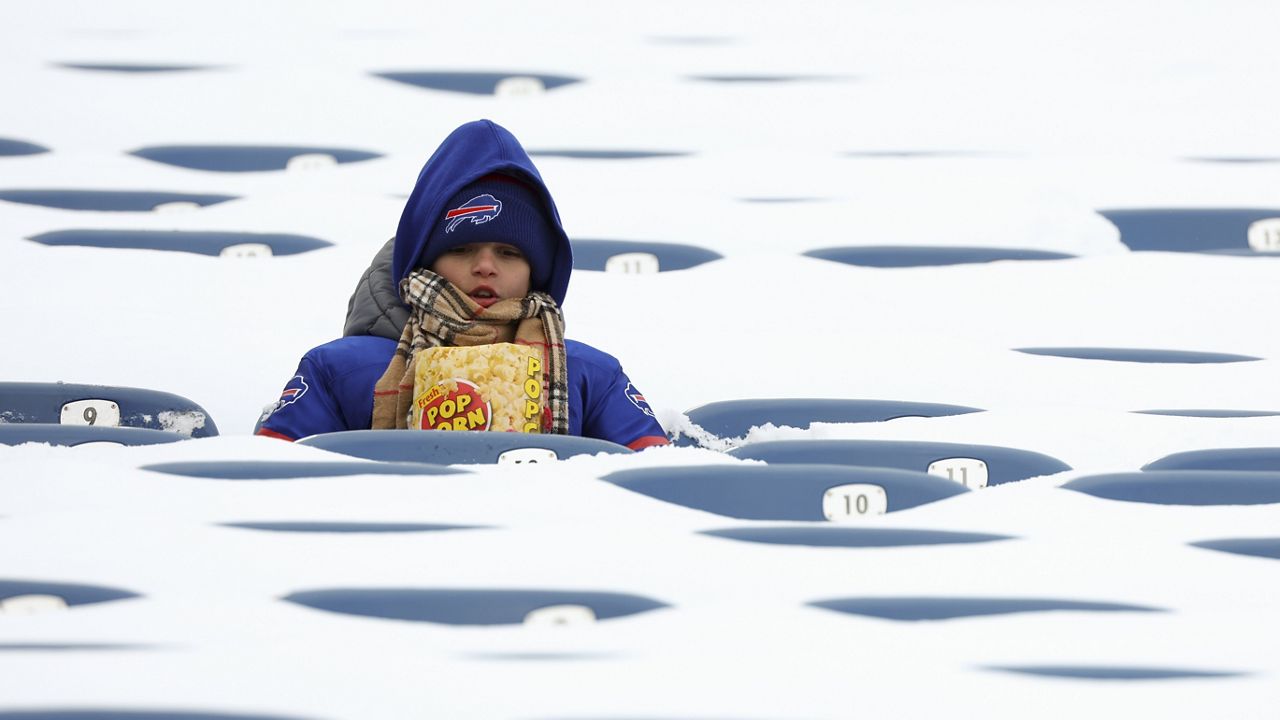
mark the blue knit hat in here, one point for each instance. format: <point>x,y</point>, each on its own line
<point>499,209</point>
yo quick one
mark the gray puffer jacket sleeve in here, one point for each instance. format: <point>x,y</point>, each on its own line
<point>375,307</point>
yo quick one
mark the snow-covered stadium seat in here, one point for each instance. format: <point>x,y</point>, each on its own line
<point>1255,458</point>
<point>74,435</point>
<point>231,244</point>
<point>859,537</point>
<point>1266,547</point>
<point>14,148</point>
<point>1139,355</point>
<point>251,158</point>
<point>27,596</point>
<point>111,200</point>
<point>1210,413</point>
<point>972,466</point>
<point>947,608</point>
<point>480,82</point>
<point>458,448</point>
<point>735,418</point>
<point>132,68</point>
<point>477,606</point>
<point>102,407</point>
<point>1183,487</point>
<point>314,526</point>
<point>290,470</point>
<point>124,712</point>
<point>1114,672</point>
<point>895,256</point>
<point>1243,231</point>
<point>788,492</point>
<point>637,257</point>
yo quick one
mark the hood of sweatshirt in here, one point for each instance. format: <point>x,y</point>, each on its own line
<point>471,152</point>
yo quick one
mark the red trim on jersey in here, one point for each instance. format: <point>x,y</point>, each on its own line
<point>273,434</point>
<point>648,441</point>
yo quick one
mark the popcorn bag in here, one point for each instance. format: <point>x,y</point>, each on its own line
<point>483,387</point>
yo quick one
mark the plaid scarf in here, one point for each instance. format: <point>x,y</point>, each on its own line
<point>442,315</point>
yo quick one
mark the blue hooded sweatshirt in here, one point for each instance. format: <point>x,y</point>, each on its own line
<point>332,389</point>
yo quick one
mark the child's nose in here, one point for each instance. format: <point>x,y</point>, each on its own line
<point>485,261</point>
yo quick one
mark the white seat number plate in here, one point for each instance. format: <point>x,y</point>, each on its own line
<point>91,412</point>
<point>310,161</point>
<point>637,263</point>
<point>969,472</point>
<point>850,503</point>
<point>175,208</point>
<point>560,616</point>
<point>32,604</point>
<point>519,85</point>
<point>1264,235</point>
<point>527,456</point>
<point>246,250</point>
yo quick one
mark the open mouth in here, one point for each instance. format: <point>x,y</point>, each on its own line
<point>484,296</point>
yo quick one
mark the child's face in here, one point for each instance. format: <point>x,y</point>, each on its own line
<point>488,272</point>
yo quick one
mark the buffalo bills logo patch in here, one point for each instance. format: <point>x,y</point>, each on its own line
<point>480,209</point>
<point>293,391</point>
<point>638,400</point>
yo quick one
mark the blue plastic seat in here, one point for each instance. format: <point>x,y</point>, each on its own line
<point>1210,413</point>
<point>1139,355</point>
<point>72,647</point>
<point>1246,459</point>
<point>244,158</point>
<point>133,68</point>
<point>129,714</point>
<point>198,242</point>
<point>103,406</point>
<point>471,83</point>
<point>850,537</point>
<point>1113,672</point>
<point>596,254</point>
<point>467,606</point>
<point>291,470</point>
<point>949,608</point>
<point>971,465</point>
<point>15,148</point>
<point>898,256</point>
<point>1235,159</point>
<point>787,492</point>
<point>458,448</point>
<point>1253,547</point>
<point>312,526</point>
<point>73,435</point>
<point>1188,229</point>
<point>1183,487</point>
<point>72,594</point>
<point>735,418</point>
<point>108,200</point>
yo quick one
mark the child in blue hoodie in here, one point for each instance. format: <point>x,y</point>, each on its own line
<point>479,257</point>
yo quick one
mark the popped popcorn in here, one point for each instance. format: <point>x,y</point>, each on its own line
<point>483,387</point>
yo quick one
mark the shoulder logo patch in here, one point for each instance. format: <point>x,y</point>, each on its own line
<point>638,400</point>
<point>293,391</point>
<point>479,210</point>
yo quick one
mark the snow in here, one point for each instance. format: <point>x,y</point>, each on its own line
<point>1026,119</point>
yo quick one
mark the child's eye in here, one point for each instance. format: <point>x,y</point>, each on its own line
<point>511,252</point>
<point>460,250</point>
